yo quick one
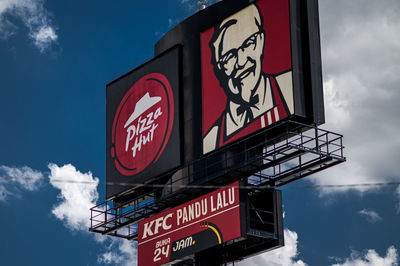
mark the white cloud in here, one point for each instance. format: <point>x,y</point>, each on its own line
<point>25,176</point>
<point>15,178</point>
<point>7,28</point>
<point>172,22</point>
<point>361,51</point>
<point>124,252</point>
<point>78,193</point>
<point>109,257</point>
<point>44,37</point>
<point>4,193</point>
<point>371,258</point>
<point>34,16</point>
<point>120,252</point>
<point>371,215</point>
<point>285,256</point>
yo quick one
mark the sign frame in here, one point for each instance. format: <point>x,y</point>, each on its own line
<point>167,68</point>
<point>306,59</point>
<point>202,223</point>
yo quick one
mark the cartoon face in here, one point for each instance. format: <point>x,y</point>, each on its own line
<point>238,46</point>
<point>246,72</point>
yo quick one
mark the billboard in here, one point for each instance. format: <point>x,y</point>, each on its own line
<point>220,82</point>
<point>248,66</point>
<point>246,73</point>
<point>143,125</point>
<point>219,91</point>
<point>199,224</point>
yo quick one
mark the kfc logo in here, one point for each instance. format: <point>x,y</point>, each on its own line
<point>142,124</point>
<point>243,90</point>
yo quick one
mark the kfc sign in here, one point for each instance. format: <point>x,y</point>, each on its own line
<point>142,124</point>
<point>197,225</point>
<point>246,73</point>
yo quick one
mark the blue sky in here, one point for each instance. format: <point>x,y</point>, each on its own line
<point>57,56</point>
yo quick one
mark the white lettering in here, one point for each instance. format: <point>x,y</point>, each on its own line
<point>178,216</point>
<point>162,222</point>
<point>197,209</point>
<point>204,206</point>
<point>191,212</point>
<point>143,132</point>
<point>161,251</point>
<point>152,131</point>
<point>183,243</point>
<point>146,139</point>
<point>157,253</point>
<point>231,195</point>
<point>137,146</point>
<point>219,201</point>
<point>158,224</point>
<point>143,126</point>
<point>165,251</point>
<point>212,205</point>
<point>163,242</point>
<point>147,229</point>
<point>164,225</point>
<point>143,139</point>
<point>188,241</point>
<point>185,216</point>
<point>130,136</point>
<point>224,199</point>
<point>157,113</point>
<point>150,119</point>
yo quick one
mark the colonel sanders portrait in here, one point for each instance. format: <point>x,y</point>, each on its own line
<point>254,99</point>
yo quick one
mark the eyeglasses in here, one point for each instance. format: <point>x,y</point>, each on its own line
<point>230,57</point>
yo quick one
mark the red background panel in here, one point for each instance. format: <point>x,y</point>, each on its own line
<point>277,57</point>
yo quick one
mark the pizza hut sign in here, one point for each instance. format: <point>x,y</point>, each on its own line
<point>142,124</point>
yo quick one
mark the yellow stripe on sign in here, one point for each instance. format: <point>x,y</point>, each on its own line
<point>215,231</point>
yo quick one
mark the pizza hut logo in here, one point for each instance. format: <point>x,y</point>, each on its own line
<point>142,124</point>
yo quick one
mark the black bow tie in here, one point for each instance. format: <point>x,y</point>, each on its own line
<point>246,106</point>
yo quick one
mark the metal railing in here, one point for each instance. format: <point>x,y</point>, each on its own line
<point>299,150</point>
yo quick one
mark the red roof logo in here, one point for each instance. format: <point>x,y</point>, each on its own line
<point>142,124</point>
